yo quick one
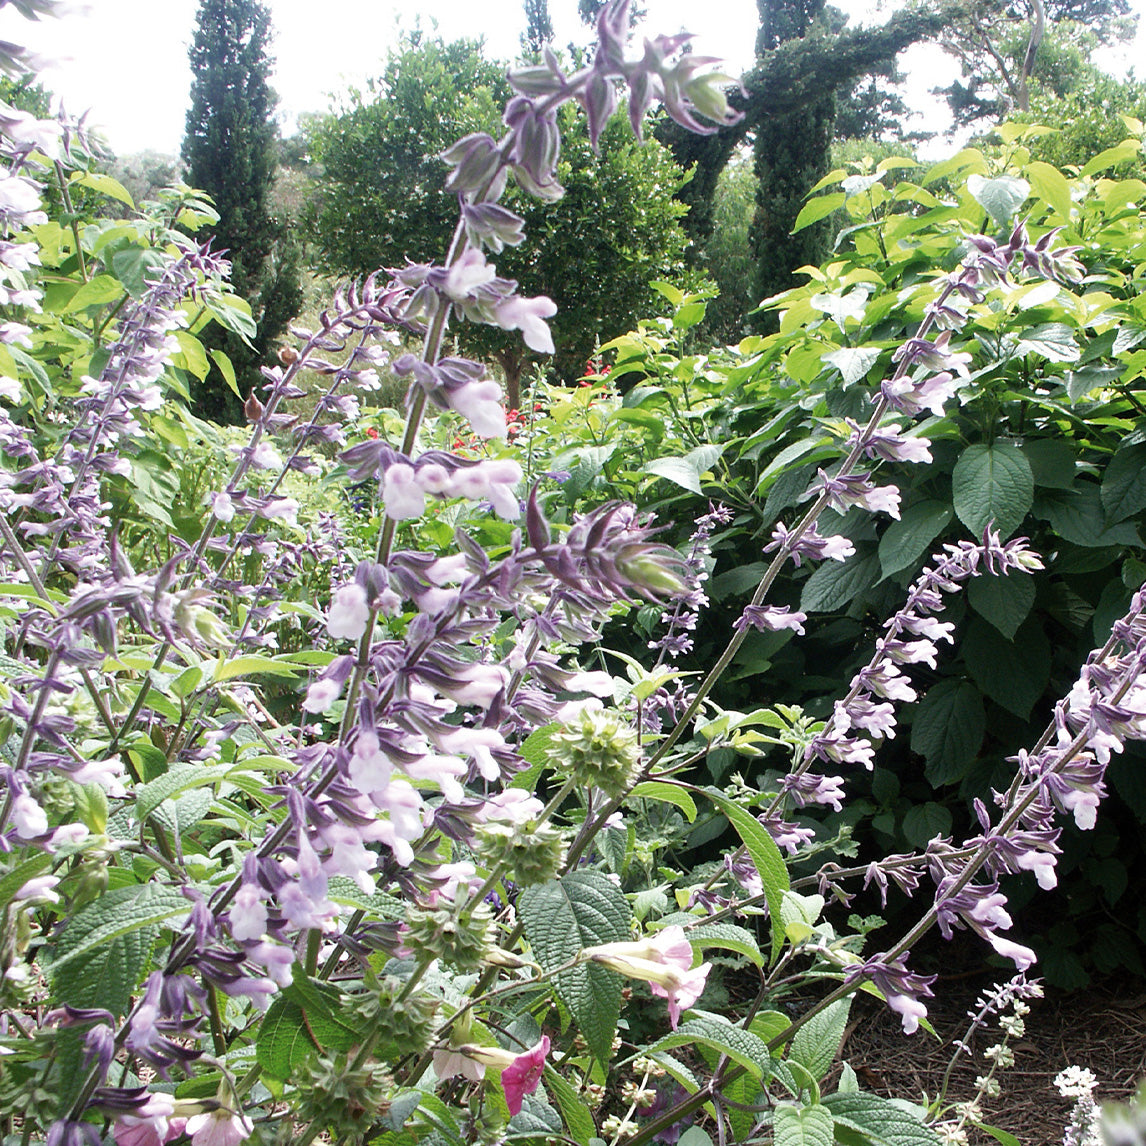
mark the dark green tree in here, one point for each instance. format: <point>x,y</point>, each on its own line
<point>381,200</point>
<point>538,28</point>
<point>229,149</point>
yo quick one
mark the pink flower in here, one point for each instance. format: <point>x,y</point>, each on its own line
<point>348,612</point>
<point>523,1075</point>
<point>528,315</point>
<point>152,1124</point>
<point>219,1128</point>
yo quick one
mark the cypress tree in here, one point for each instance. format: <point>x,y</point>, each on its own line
<point>538,28</point>
<point>229,149</point>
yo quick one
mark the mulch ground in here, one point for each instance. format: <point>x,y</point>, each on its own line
<point>1102,1027</point>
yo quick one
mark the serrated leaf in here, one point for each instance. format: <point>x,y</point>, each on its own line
<point>578,1120</point>
<point>284,1043</point>
<point>727,936</point>
<point>1052,340</point>
<point>992,484</point>
<point>1003,601</point>
<point>948,729</point>
<point>668,794</point>
<point>1123,488</point>
<point>96,292</point>
<point>905,541</point>
<point>1014,673</point>
<point>923,822</point>
<point>179,816</point>
<point>717,1032</point>
<point>561,918</point>
<point>853,362</point>
<point>884,1122</point>
<point>324,1011</point>
<point>1000,197</point>
<point>1053,462</point>
<point>1078,517</point>
<point>766,857</point>
<point>836,583</point>
<point>817,1043</point>
<point>104,951</point>
<point>251,665</point>
<point>794,1125</point>
<point>177,779</point>
<point>816,209</point>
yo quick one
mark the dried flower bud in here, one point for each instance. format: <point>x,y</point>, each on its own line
<point>253,408</point>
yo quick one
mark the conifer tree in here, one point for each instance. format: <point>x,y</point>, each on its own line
<point>538,28</point>
<point>229,149</point>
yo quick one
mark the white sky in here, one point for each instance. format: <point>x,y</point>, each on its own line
<point>126,60</point>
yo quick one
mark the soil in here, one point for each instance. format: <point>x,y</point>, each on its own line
<point>1102,1027</point>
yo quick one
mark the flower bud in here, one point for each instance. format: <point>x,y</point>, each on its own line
<point>598,750</point>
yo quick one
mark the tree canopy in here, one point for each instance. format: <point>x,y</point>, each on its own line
<point>594,252</point>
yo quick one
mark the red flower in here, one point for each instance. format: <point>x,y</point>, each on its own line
<point>371,432</point>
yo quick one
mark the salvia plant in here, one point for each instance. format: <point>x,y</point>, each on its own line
<point>373,887</point>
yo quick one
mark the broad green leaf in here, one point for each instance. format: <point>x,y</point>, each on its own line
<point>717,1032</point>
<point>179,816</point>
<point>1124,483</point>
<point>284,1043</point>
<point>1000,197</point>
<point>688,316</point>
<point>578,1120</point>
<point>193,354</point>
<point>992,485</point>
<point>325,1011</point>
<point>884,1122</point>
<point>923,822</point>
<point>1052,340</point>
<point>694,1136</point>
<point>104,952</point>
<point>669,794</point>
<point>133,267</point>
<point>561,918</point>
<point>104,184</point>
<point>766,857</point>
<point>226,369</point>
<point>816,209</point>
<point>176,780</point>
<point>251,665</point>
<point>999,1135</point>
<point>836,583</point>
<point>816,1044</point>
<point>853,362</point>
<point>1120,153</point>
<point>1014,673</point>
<point>1078,517</point>
<point>98,291</point>
<point>802,1125</point>
<point>686,471</point>
<point>674,294</point>
<point>1053,462</point>
<point>948,729</point>
<point>727,936</point>
<point>1050,186</point>
<point>1004,601</point>
<point>906,540</point>
<point>1082,383</point>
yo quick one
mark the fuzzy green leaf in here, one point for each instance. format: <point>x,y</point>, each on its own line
<point>948,729</point>
<point>883,1122</point>
<point>905,541</point>
<point>802,1125</point>
<point>816,1044</point>
<point>992,484</point>
<point>668,794</point>
<point>583,909</point>
<point>727,936</point>
<point>837,583</point>
<point>716,1032</point>
<point>1003,601</point>
<point>1124,483</point>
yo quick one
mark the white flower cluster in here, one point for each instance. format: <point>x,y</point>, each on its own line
<point>406,487</point>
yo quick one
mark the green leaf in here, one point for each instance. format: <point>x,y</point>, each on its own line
<point>1078,517</point>
<point>179,816</point>
<point>853,362</point>
<point>1000,197</point>
<point>578,1120</point>
<point>227,370</point>
<point>132,266</point>
<point>802,1125</point>
<point>905,541</point>
<point>251,665</point>
<point>686,471</point>
<point>836,583</point>
<point>766,857</point>
<point>177,779</point>
<point>816,209</point>
<point>104,952</point>
<point>818,1041</point>
<point>992,485</point>
<point>1120,153</point>
<point>193,355</point>
<point>1053,462</point>
<point>715,1031</point>
<point>1003,601</point>
<point>98,291</point>
<point>885,1123</point>
<point>324,1011</point>
<point>1051,187</point>
<point>582,909</point>
<point>948,729</point>
<point>104,184</point>
<point>284,1042</point>
<point>1124,483</point>
<point>727,936</point>
<point>668,794</point>
<point>1014,673</point>
<point>688,316</point>
<point>999,1135</point>
<point>924,822</point>
<point>1052,340</point>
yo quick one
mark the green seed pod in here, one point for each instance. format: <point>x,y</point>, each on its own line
<point>598,750</point>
